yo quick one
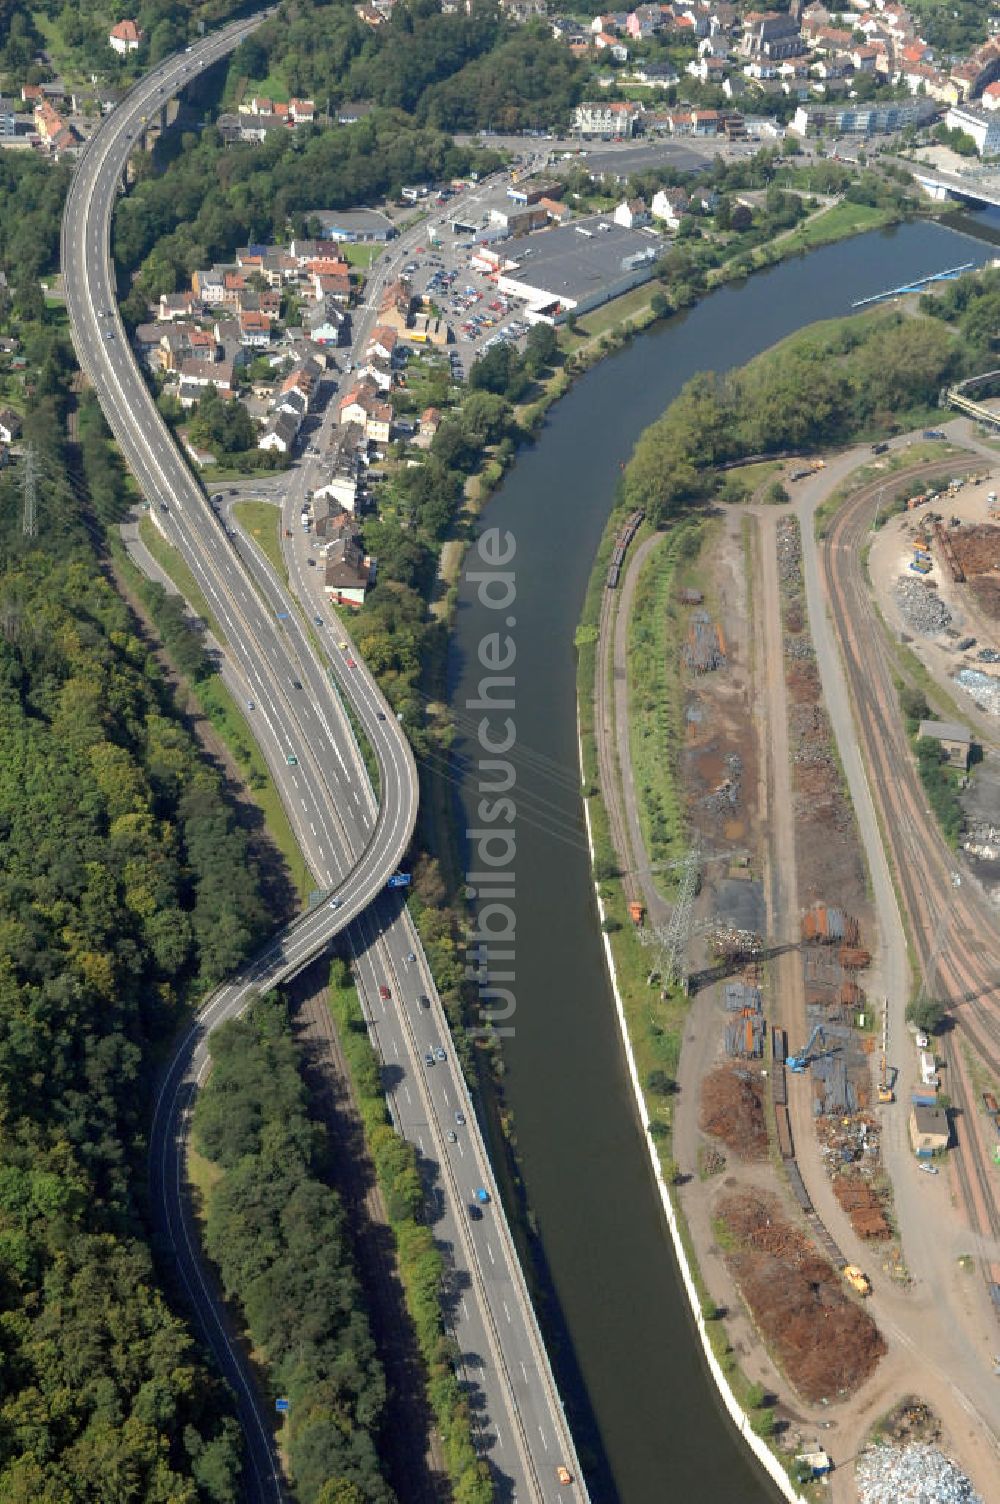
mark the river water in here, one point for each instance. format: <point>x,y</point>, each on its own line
<point>647,1419</point>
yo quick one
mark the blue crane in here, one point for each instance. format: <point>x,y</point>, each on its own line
<point>799,1063</point>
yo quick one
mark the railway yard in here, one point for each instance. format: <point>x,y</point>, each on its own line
<point>829,898</point>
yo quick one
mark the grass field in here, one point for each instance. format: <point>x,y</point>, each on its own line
<point>262,521</point>
<point>173,562</point>
<point>231,724</point>
<point>834,224</point>
<point>656,699</point>
<point>271,87</point>
<point>629,306</point>
<point>359,255</point>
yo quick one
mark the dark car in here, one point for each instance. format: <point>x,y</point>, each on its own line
<point>424,1000</point>
<point>296,683</point>
<point>475,1212</point>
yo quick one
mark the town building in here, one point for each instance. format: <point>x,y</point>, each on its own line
<point>982,125</point>
<point>604,117</point>
<point>929,1130</point>
<point>125,37</point>
<point>855,119</point>
<point>357,226</point>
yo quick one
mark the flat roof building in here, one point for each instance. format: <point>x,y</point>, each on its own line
<point>352,224</point>
<point>955,741</point>
<point>573,268</point>
<point>929,1130</point>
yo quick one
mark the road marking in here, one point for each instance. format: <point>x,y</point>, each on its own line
<point>544,1441</point>
<point>465,1309</point>
<point>524,1372</point>
<point>406,1089</point>
<point>505,1310</point>
<point>489,1250</point>
<point>312,827</point>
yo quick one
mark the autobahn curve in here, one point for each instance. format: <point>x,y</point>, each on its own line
<point>351,846</point>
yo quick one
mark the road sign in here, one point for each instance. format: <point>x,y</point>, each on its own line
<point>399,880</point>
<point>282,1406</point>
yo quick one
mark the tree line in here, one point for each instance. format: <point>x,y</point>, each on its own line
<point>126,887</point>
<point>817,388</point>
<point>277,1232</point>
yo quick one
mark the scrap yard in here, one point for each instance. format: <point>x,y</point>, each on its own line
<point>803,1089</point>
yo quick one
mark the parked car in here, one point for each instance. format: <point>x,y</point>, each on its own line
<point>384,993</point>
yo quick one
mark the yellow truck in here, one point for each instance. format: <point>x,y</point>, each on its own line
<point>857,1279</point>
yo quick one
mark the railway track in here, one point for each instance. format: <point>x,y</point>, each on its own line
<point>968,961</point>
<point>608,770</point>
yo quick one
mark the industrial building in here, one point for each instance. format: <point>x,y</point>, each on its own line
<point>954,740</point>
<point>929,1130</point>
<point>575,267</point>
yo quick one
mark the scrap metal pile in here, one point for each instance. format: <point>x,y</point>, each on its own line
<point>911,1474</point>
<point>705,648</point>
<point>744,1037</point>
<point>922,608</point>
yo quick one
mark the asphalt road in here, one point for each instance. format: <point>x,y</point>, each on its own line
<point>352,847</point>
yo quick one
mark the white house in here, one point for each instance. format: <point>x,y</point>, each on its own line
<point>279,434</point>
<point>125,37</point>
<point>670,205</point>
<point>632,213</point>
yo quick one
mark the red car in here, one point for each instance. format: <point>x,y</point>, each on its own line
<point>384,994</point>
<point>349,662</point>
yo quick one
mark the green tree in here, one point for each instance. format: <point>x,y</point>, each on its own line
<point>926,1013</point>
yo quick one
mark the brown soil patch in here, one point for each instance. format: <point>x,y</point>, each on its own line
<point>732,1109</point>
<point>977,548</point>
<point>823,1338</point>
<point>986,590</point>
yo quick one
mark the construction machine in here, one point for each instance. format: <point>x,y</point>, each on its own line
<point>857,1279</point>
<point>812,1051</point>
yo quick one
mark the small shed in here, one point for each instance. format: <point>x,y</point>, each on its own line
<point>929,1131</point>
<point>955,741</point>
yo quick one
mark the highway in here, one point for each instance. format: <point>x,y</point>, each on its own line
<point>293,697</point>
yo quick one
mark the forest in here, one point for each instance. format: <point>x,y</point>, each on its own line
<point>452,72</point>
<point>278,1235</point>
<point>821,386</point>
<point>126,888</point>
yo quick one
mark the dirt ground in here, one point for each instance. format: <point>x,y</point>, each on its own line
<point>719,763</point>
<point>824,1339</point>
<point>828,857</point>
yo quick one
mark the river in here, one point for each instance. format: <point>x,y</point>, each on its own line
<point>647,1419</point>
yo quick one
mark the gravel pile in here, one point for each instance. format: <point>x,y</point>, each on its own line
<point>799,647</point>
<point>911,1474</point>
<point>922,609</point>
<point>789,552</point>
